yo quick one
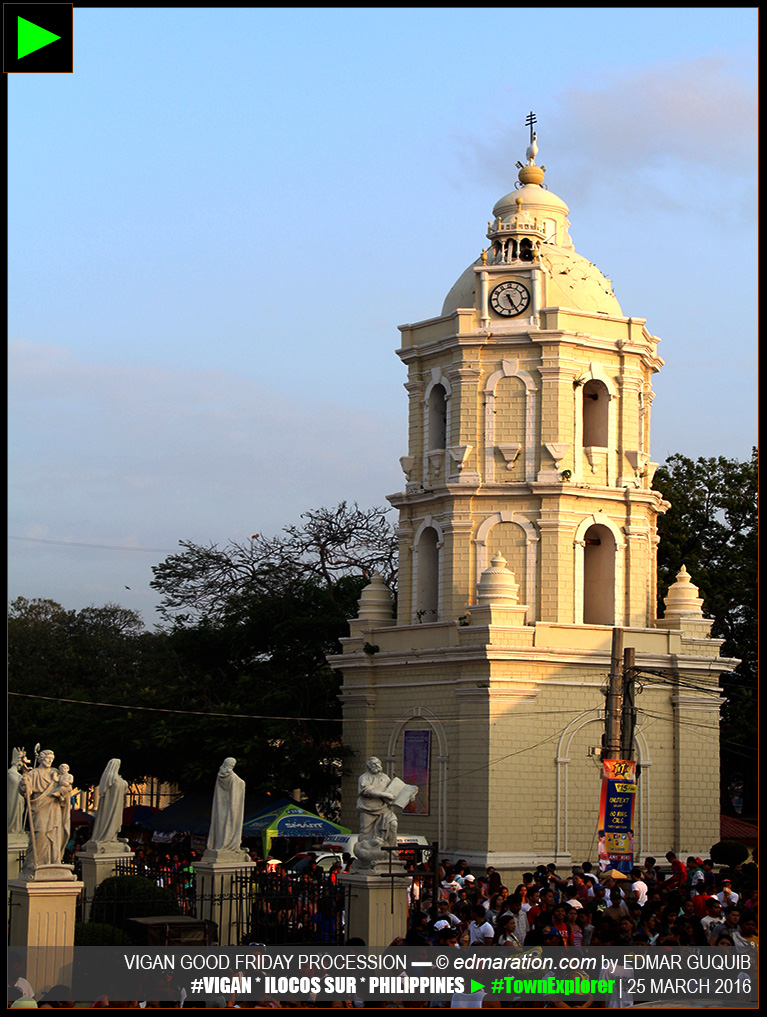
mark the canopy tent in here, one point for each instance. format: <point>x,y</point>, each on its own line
<point>288,820</point>
<point>80,818</point>
<point>191,814</point>
<point>137,815</point>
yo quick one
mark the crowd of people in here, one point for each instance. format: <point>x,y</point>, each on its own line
<point>692,906</point>
<point>677,904</point>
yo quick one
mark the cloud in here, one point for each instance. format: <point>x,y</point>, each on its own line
<point>683,132</point>
<point>699,111</point>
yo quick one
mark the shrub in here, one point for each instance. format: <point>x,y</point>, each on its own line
<point>99,934</point>
<point>121,898</point>
<point>749,877</point>
<point>729,852</point>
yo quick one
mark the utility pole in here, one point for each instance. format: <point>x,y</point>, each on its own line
<point>628,712</point>
<point>612,739</point>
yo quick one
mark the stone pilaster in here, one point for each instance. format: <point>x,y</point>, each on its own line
<point>219,898</point>
<point>42,914</point>
<point>377,907</point>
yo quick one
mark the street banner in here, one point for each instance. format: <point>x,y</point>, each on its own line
<point>616,815</point>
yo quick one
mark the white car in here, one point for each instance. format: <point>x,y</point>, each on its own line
<point>299,863</point>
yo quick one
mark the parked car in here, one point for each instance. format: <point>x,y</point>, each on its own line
<point>346,841</point>
<point>300,862</point>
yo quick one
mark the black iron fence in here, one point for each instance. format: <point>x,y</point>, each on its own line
<point>245,905</point>
<point>235,908</point>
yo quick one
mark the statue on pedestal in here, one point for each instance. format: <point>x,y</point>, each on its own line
<point>378,794</point>
<point>226,817</point>
<point>109,816</point>
<point>47,792</point>
<point>19,762</point>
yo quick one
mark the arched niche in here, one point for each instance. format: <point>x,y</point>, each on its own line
<point>598,576</point>
<point>596,414</point>
<point>599,571</point>
<point>517,539</point>
<point>418,716</point>
<point>427,555</point>
<point>596,426</point>
<point>436,405</point>
<point>436,412</point>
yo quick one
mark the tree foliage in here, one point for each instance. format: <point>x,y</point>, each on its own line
<point>729,852</point>
<point>711,528</point>
<point>330,546</point>
<point>98,654</point>
<point>240,668</point>
<point>252,625</point>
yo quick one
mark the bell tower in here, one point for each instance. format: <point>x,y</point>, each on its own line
<point>529,431</point>
<point>527,533</point>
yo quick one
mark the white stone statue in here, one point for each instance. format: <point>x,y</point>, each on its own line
<point>66,782</point>
<point>15,800</point>
<point>49,819</point>
<point>378,793</point>
<point>109,816</point>
<point>226,818</point>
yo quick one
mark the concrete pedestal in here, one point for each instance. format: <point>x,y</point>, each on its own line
<point>42,921</point>
<point>378,909</point>
<point>222,899</point>
<point>96,868</point>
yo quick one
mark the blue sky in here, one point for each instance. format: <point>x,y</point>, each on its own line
<point>218,221</point>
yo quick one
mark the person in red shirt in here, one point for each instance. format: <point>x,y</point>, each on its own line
<point>543,905</point>
<point>559,922</point>
<point>678,871</point>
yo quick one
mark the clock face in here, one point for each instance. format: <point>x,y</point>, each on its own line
<point>510,299</point>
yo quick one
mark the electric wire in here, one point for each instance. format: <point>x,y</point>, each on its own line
<point>102,547</point>
<point>239,716</point>
<point>671,678</point>
<point>517,752</point>
<point>160,709</point>
<point>691,723</point>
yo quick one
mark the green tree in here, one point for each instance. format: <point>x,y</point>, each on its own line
<point>711,528</point>
<point>96,655</point>
<point>240,667</point>
<point>330,546</point>
<point>251,626</point>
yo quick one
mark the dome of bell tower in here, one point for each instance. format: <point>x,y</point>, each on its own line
<point>532,218</point>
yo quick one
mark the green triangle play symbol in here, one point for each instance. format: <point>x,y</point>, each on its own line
<point>31,37</point>
<point>475,986</point>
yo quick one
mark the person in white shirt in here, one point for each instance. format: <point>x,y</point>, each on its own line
<point>639,887</point>
<point>746,938</point>
<point>514,905</point>
<point>728,897</point>
<point>713,917</point>
<point>481,932</point>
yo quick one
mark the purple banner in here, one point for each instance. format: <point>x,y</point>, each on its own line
<point>415,769</point>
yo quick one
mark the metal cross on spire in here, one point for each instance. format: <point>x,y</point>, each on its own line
<point>531,119</point>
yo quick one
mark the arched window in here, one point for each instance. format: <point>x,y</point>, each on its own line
<point>427,576</point>
<point>437,417</point>
<point>599,576</point>
<point>596,404</point>
<point>510,540</point>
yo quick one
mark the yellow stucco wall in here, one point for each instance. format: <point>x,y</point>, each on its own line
<point>546,461</point>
